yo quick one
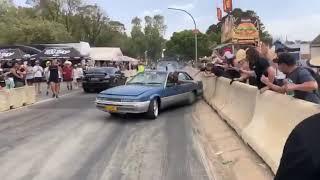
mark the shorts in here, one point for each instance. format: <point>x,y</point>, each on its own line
<point>67,80</point>
<point>30,80</point>
<point>78,79</point>
<point>37,79</point>
<point>54,80</point>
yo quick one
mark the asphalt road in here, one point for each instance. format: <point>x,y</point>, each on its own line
<point>68,139</point>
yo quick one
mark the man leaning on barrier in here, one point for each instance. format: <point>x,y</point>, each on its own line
<point>300,81</point>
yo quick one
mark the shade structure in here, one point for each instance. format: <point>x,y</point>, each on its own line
<point>59,53</point>
<point>10,54</point>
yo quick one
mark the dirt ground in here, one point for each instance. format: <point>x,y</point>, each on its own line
<point>227,156</point>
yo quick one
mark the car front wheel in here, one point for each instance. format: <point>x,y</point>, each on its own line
<point>153,110</point>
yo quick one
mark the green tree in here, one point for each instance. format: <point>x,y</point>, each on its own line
<point>93,20</point>
<point>183,44</point>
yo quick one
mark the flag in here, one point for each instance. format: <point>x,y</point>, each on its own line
<point>219,14</point>
<point>227,6</point>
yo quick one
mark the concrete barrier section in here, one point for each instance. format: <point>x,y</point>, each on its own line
<point>211,89</point>
<point>30,95</point>
<point>222,91</point>
<point>275,116</point>
<point>240,105</point>
<point>17,97</point>
<point>4,100</point>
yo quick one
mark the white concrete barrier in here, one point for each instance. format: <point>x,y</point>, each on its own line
<point>211,89</point>
<point>220,96</point>
<point>264,121</point>
<point>17,97</point>
<point>30,95</point>
<point>275,116</point>
<point>239,108</point>
<point>4,100</point>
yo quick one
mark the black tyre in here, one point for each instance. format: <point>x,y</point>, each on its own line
<point>153,111</point>
<point>86,90</point>
<point>192,98</point>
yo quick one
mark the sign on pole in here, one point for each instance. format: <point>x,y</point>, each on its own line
<point>227,6</point>
<point>219,14</point>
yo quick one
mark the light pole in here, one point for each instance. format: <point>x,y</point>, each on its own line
<point>195,31</point>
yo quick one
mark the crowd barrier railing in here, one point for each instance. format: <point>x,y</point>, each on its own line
<point>17,97</point>
<point>264,121</point>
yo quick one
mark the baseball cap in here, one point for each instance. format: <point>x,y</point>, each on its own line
<point>228,55</point>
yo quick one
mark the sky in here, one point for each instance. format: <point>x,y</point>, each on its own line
<point>294,19</point>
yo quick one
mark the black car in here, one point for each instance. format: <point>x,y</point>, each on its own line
<point>99,79</point>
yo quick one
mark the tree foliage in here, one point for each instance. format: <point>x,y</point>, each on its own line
<point>58,21</point>
<point>183,44</point>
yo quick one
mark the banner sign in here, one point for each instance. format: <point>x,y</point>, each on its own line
<point>219,14</point>
<point>56,52</point>
<point>227,6</point>
<point>5,53</point>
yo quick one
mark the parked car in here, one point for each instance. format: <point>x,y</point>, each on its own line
<point>150,92</point>
<point>102,78</point>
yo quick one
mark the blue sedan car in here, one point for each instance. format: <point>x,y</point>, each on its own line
<point>149,92</point>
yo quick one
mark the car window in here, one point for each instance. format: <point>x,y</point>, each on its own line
<point>149,78</point>
<point>184,77</point>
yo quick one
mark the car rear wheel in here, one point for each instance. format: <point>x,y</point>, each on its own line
<point>153,111</point>
<point>192,98</point>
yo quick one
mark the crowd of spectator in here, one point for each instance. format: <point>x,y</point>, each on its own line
<point>15,74</point>
<point>268,70</point>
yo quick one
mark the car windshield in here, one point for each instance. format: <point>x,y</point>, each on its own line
<point>149,78</point>
<point>101,70</point>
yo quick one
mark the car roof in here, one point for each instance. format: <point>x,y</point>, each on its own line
<point>166,71</point>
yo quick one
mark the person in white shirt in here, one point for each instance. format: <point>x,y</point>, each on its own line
<point>30,73</point>
<point>38,75</point>
<point>47,75</point>
<point>77,75</point>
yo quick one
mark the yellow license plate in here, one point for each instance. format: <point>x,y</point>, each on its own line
<point>111,108</point>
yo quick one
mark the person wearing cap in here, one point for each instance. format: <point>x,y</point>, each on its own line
<point>38,75</point>
<point>68,74</point>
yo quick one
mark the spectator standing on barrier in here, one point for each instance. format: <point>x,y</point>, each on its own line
<point>300,82</point>
<point>54,78</point>
<point>258,66</point>
<point>38,76</point>
<point>30,73</point>
<point>301,158</point>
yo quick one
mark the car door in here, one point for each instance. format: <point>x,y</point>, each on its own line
<point>170,93</point>
<point>186,85</point>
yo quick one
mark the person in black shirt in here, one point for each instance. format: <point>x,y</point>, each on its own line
<point>301,155</point>
<point>299,83</point>
<point>259,66</point>
<point>54,78</point>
